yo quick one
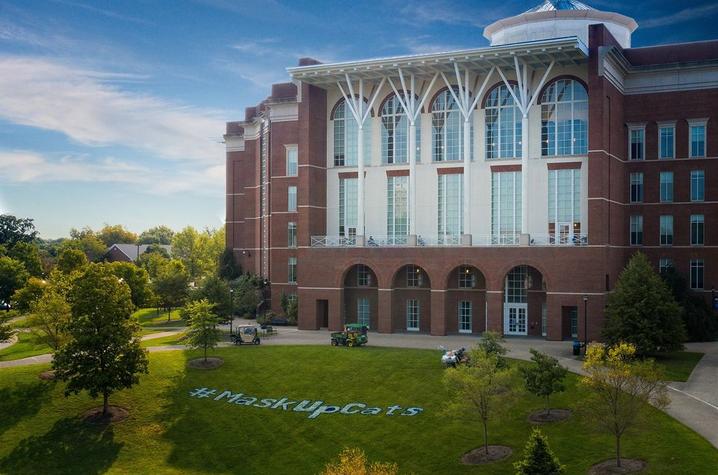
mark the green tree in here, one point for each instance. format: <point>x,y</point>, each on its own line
<point>6,331</point>
<point>23,298</point>
<point>199,251</point>
<point>136,277</point>
<point>171,285</point>
<point>202,332</point>
<point>86,241</point>
<point>14,230</point>
<point>479,390</point>
<point>354,462</point>
<point>152,263</point>
<point>157,249</point>
<point>284,303</point>
<point>229,269</point>
<point>116,234</point>
<point>699,319</point>
<point>156,235</point>
<point>538,457</point>
<point>246,294</point>
<point>492,343</point>
<point>103,353</point>
<point>642,311</point>
<point>71,260</point>
<point>50,317</point>
<point>29,255</point>
<point>292,310</point>
<point>544,377</point>
<point>621,389</point>
<point>12,277</point>
<point>216,292</point>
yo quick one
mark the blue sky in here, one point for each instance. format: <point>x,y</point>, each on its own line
<point>113,112</point>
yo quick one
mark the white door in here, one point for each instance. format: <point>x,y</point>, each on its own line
<point>565,234</point>
<point>515,318</point>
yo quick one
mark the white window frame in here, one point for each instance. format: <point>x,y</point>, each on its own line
<point>664,263</point>
<point>695,220</point>
<point>445,111</point>
<point>465,310</point>
<point>413,315</point>
<point>493,151</point>
<point>292,160</point>
<point>666,125</point>
<point>667,238</point>
<point>697,265</point>
<point>496,233</point>
<point>443,206</point>
<point>545,143</point>
<point>553,177</point>
<point>660,186</point>
<point>637,128</point>
<point>292,270</point>
<point>345,205</point>
<point>363,276</point>
<point>466,276</point>
<point>391,207</point>
<point>396,116</point>
<point>292,199</point>
<point>414,276</point>
<point>635,179</point>
<point>292,234</point>
<point>637,222</point>
<point>698,123</point>
<point>364,311</point>
<point>703,181</point>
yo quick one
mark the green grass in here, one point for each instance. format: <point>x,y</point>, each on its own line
<point>165,340</point>
<point>170,432</point>
<point>678,365</point>
<point>28,344</point>
<point>148,317</point>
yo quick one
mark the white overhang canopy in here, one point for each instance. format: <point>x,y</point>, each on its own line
<point>535,54</point>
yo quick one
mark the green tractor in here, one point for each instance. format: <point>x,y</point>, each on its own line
<point>354,334</point>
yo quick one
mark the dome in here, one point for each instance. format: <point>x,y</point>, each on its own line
<point>559,19</point>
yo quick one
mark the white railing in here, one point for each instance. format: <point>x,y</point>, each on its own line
<point>495,239</point>
<point>452,240</point>
<point>387,241</point>
<point>447,240</point>
<point>333,241</point>
<point>559,240</point>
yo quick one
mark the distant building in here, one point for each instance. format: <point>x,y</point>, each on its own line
<point>503,187</point>
<point>130,252</point>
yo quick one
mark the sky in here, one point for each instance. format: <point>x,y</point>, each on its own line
<point>113,111</point>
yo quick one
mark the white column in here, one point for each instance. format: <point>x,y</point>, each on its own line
<point>360,181</point>
<point>412,177</point>
<point>524,174</point>
<point>467,174</point>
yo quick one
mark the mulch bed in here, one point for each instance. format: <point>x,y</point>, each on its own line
<point>114,414</point>
<point>556,415</point>
<point>48,375</point>
<point>210,363</point>
<point>479,456</point>
<point>609,467</point>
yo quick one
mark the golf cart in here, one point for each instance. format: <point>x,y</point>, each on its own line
<point>354,334</point>
<point>453,358</point>
<point>246,335</point>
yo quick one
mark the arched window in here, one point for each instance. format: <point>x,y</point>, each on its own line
<point>447,132</point>
<point>503,124</point>
<point>564,119</point>
<point>395,132</point>
<point>346,132</point>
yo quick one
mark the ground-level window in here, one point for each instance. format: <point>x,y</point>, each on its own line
<point>412,315</point>
<point>464,316</point>
<point>292,270</point>
<point>363,312</point>
<point>664,264</point>
<point>573,322</point>
<point>696,274</point>
<point>697,229</point>
<point>636,230</point>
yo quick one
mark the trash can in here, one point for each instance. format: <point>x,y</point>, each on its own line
<point>576,348</point>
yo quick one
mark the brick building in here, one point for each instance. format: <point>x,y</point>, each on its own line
<point>503,187</point>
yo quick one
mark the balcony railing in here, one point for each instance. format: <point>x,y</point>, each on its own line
<point>333,241</point>
<point>509,239</point>
<point>559,240</point>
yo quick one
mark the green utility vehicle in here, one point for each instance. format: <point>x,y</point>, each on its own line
<point>354,334</point>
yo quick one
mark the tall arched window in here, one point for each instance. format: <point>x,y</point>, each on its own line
<point>564,119</point>
<point>346,131</point>
<point>395,132</point>
<point>503,124</point>
<point>447,132</point>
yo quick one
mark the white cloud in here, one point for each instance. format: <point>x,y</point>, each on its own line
<point>681,16</point>
<point>451,12</point>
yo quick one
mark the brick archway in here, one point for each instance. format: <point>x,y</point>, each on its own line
<point>360,288</point>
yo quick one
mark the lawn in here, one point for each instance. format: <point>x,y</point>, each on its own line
<point>148,317</point>
<point>165,340</point>
<point>171,432</point>
<point>678,365</point>
<point>28,344</point>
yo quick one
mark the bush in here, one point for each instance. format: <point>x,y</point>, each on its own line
<point>491,343</point>
<point>538,457</point>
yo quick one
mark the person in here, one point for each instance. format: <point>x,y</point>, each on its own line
<point>371,241</point>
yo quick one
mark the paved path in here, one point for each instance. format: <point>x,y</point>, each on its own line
<point>694,403</point>
<point>10,342</point>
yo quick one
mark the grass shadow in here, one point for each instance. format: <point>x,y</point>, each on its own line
<point>22,400</point>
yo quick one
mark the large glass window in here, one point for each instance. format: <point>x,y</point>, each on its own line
<point>464,316</point>
<point>447,128</point>
<point>397,211</point>
<point>395,132</point>
<point>564,203</point>
<point>292,160</point>
<point>412,315</point>
<point>505,207</point>
<point>666,141</point>
<point>292,270</point>
<point>636,143</point>
<point>503,124</point>
<point>564,119</point>
<point>636,190</point>
<point>666,230</point>
<point>698,185</point>
<point>636,230</point>
<point>348,207</point>
<point>467,279</point>
<point>291,234</point>
<point>450,207</point>
<point>292,198</point>
<point>363,275</point>
<point>516,287</point>
<point>696,274</point>
<point>697,135</point>
<point>697,229</point>
<point>346,131</point>
<point>414,276</point>
<point>363,311</point>
<point>666,190</point>
<point>664,264</point>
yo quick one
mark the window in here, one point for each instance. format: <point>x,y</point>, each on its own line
<point>397,211</point>
<point>363,311</point>
<point>395,131</point>
<point>505,207</point>
<point>697,229</point>
<point>292,270</point>
<point>503,124</point>
<point>348,207</point>
<point>346,131</point>
<point>636,230</point>
<point>544,319</point>
<point>363,276</point>
<point>698,185</point>
<point>447,128</point>
<point>516,288</point>
<point>292,198</point>
<point>564,204</point>
<point>414,276</point>
<point>450,208</point>
<point>697,137</point>
<point>292,160</point>
<point>664,264</point>
<point>467,279</point>
<point>564,119</point>
<point>636,187</point>
<point>412,315</point>
<point>696,274</point>
<point>666,141</point>
<point>666,187</point>
<point>666,230</point>
<point>464,316</point>
<point>291,234</point>
<point>636,143</point>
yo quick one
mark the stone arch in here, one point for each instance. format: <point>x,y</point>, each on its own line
<point>411,299</point>
<point>465,300</point>
<point>360,288</point>
<point>524,301</point>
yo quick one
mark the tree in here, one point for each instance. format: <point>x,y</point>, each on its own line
<point>29,255</point>
<point>116,234</point>
<point>642,311</point>
<point>492,343</point>
<point>157,249</point>
<point>544,377</point>
<point>202,332</point>
<point>136,277</point>
<point>50,317</point>
<point>199,251</point>
<point>228,267</point>
<point>25,297</point>
<point>6,331</point>
<point>621,387</point>
<point>246,294</point>
<point>14,230</point>
<point>292,310</point>
<point>85,241</point>
<point>171,285</point>
<point>538,457</point>
<point>354,462</point>
<point>156,235</point>
<point>699,319</point>
<point>479,389</point>
<point>12,277</point>
<point>152,263</point>
<point>216,292</point>
<point>71,260</point>
<point>103,353</point>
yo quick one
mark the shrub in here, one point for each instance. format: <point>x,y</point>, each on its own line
<point>538,457</point>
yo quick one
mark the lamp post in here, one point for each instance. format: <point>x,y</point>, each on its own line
<point>231,309</point>
<point>585,324</point>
